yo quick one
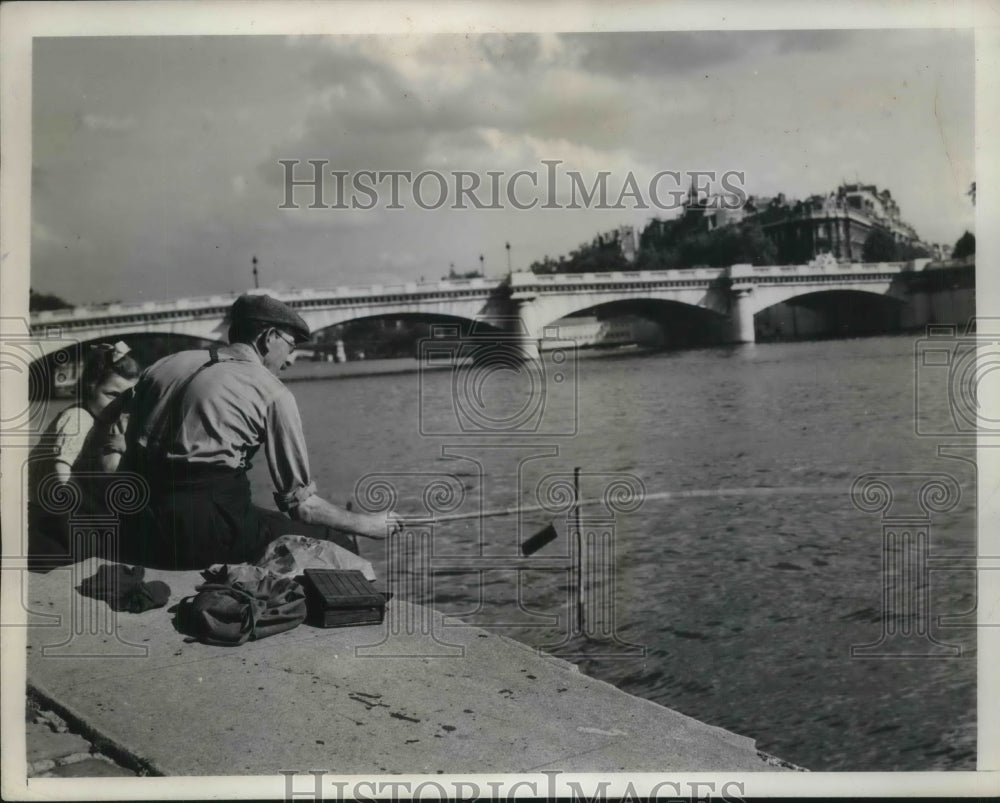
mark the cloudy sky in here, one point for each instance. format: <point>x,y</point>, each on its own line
<point>156,160</point>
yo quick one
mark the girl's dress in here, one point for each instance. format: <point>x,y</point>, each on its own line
<point>72,439</point>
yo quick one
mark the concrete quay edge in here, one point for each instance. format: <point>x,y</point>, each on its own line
<point>359,700</point>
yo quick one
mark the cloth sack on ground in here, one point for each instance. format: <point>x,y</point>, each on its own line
<point>123,588</point>
<point>290,556</point>
<point>250,608</point>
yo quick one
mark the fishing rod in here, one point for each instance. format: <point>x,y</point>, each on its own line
<point>549,533</point>
<point>688,494</point>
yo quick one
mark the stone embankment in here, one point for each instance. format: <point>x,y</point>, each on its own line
<point>420,694</point>
<point>54,750</point>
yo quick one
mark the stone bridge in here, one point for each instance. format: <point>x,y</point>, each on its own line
<point>731,296</point>
<point>207,317</point>
<point>525,303</point>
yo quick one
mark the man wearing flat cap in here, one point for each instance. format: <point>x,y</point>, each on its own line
<point>198,417</point>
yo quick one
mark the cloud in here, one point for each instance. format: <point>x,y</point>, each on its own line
<point>817,41</point>
<point>513,51</point>
<point>661,54</point>
<point>417,102</point>
<point>100,122</point>
<point>42,234</point>
<point>162,152</point>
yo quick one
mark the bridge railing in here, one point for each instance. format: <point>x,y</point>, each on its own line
<point>395,288</point>
<point>524,278</point>
<point>120,309</point>
<point>518,279</point>
<point>739,271</point>
<point>193,304</point>
<point>833,267</point>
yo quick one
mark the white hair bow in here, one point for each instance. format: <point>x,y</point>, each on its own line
<point>117,350</point>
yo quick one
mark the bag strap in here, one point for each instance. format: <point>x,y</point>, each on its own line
<point>257,609</point>
<point>240,596</point>
<point>170,422</point>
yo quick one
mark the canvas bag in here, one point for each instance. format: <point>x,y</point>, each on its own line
<point>232,614</point>
<point>291,555</point>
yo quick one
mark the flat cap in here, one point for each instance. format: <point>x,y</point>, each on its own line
<point>264,309</point>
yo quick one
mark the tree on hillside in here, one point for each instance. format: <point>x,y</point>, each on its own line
<point>674,247</point>
<point>547,265</point>
<point>602,254</point>
<point>665,244</point>
<point>659,235</point>
<point>469,274</point>
<point>745,242</point>
<point>879,246</point>
<point>965,246</point>
<point>658,245</point>
<point>907,251</point>
<point>38,302</point>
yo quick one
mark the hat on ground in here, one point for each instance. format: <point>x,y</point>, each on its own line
<point>264,309</point>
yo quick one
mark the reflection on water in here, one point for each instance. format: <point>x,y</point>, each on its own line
<point>747,605</point>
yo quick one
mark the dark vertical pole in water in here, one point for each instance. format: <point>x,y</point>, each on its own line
<point>579,550</point>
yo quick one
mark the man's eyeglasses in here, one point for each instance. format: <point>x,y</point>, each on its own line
<point>289,341</point>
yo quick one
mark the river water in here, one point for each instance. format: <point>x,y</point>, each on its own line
<point>739,610</point>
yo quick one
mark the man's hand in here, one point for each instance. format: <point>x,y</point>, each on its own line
<point>393,524</point>
<point>115,443</point>
<point>383,525</point>
<point>316,510</point>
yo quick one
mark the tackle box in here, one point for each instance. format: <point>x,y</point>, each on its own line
<point>340,597</point>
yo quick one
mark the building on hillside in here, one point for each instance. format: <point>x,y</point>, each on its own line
<point>837,223</point>
<point>940,251</point>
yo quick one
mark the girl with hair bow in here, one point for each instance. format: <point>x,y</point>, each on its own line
<point>75,443</point>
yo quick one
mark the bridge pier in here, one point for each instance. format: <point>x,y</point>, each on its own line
<point>527,350</point>
<point>741,316</point>
<point>525,328</point>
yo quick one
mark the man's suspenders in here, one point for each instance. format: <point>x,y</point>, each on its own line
<point>158,443</point>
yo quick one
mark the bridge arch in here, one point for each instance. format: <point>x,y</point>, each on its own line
<point>830,313</point>
<point>59,371</point>
<point>655,321</point>
<point>323,319</point>
<point>393,334</point>
<point>770,290</point>
<point>429,318</point>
